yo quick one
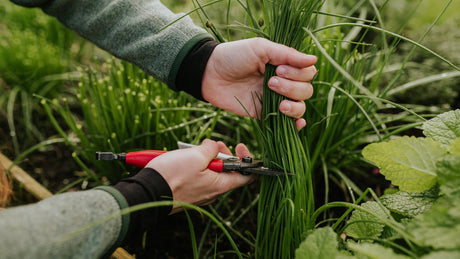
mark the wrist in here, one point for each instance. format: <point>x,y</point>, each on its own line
<point>190,74</point>
<point>146,186</point>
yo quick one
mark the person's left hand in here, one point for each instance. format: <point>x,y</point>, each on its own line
<point>235,73</point>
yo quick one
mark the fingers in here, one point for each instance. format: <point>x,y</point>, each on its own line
<point>292,109</point>
<point>293,75</point>
<point>235,179</point>
<point>299,74</point>
<point>223,148</point>
<point>279,54</point>
<point>292,82</point>
<point>300,123</point>
<point>242,151</point>
<point>296,90</point>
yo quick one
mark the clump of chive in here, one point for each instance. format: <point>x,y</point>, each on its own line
<point>285,203</point>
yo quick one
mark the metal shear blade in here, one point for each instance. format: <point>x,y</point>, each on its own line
<point>265,171</point>
<point>249,166</point>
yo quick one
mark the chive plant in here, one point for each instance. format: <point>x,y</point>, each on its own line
<point>285,203</point>
<point>122,109</point>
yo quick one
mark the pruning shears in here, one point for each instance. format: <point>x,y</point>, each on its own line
<point>222,163</point>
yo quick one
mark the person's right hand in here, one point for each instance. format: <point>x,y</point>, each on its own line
<point>186,172</point>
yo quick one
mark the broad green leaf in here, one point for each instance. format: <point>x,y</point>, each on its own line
<point>439,227</point>
<point>392,233</point>
<point>374,251</point>
<point>455,147</point>
<point>444,128</point>
<point>410,204</point>
<point>448,172</point>
<point>321,243</point>
<point>407,162</point>
<point>363,224</point>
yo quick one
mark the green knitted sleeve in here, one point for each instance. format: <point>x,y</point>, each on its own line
<point>84,224</point>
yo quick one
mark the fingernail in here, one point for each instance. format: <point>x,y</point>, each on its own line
<point>281,71</point>
<point>286,108</point>
<point>274,82</point>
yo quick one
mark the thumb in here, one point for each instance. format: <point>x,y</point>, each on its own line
<point>208,149</point>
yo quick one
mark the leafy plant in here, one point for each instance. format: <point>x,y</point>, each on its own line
<point>408,162</point>
<point>402,225</point>
<point>411,163</point>
<point>318,245</point>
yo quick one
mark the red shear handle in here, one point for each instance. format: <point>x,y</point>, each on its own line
<point>216,165</point>
<point>142,158</point>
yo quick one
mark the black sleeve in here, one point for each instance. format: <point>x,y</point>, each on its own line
<point>191,70</point>
<point>146,186</point>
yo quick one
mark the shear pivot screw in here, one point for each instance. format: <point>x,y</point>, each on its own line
<point>246,159</point>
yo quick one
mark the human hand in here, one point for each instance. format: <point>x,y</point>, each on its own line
<point>235,72</point>
<point>186,172</point>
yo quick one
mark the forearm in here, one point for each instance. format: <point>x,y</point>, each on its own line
<point>132,30</point>
<point>79,224</point>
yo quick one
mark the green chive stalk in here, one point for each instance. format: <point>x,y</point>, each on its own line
<point>286,203</point>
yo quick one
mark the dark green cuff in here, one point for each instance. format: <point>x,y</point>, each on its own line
<point>125,218</point>
<point>181,56</point>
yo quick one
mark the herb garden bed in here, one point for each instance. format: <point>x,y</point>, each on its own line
<point>377,167</point>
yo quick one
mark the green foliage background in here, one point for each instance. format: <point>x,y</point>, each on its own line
<point>43,91</point>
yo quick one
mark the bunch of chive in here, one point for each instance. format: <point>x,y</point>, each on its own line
<point>285,203</point>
